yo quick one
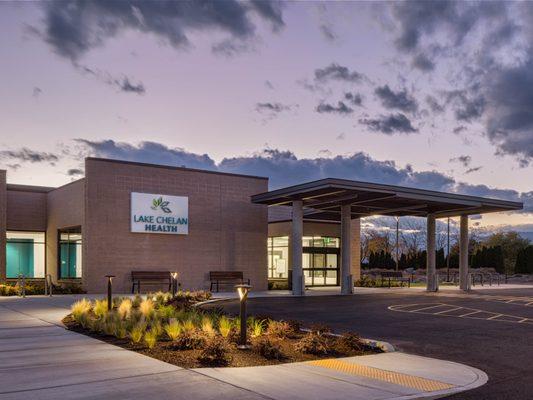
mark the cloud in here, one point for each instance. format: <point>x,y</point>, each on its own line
<point>390,124</point>
<point>271,107</point>
<point>328,33</point>
<point>475,169</point>
<point>285,168</point>
<point>75,172</point>
<point>400,100</point>
<point>459,129</point>
<point>422,62</point>
<point>337,72</point>
<point>269,84</point>
<point>354,98</point>
<point>231,48</point>
<point>72,28</point>
<point>340,108</point>
<point>468,104</point>
<point>465,160</point>
<point>126,86</point>
<point>149,152</point>
<point>434,105</point>
<point>27,155</point>
<point>36,92</point>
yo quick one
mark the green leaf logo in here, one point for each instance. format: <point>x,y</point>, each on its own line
<point>163,205</point>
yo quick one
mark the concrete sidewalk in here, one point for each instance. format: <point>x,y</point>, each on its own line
<point>39,358</point>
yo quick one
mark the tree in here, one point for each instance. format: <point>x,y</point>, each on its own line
<point>524,261</point>
<point>511,244</point>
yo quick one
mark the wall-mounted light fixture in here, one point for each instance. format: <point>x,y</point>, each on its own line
<point>243,291</point>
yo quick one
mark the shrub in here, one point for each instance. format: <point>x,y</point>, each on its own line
<point>161,298</point>
<point>124,308</point>
<point>150,338</point>
<point>207,326</point>
<point>156,328</point>
<point>120,330</point>
<point>79,308</point>
<point>84,320</point>
<point>215,352</point>
<point>279,329</point>
<point>313,343</point>
<point>225,325</point>
<point>173,330</point>
<point>188,326</point>
<point>166,312</point>
<point>189,340</point>
<point>147,308</point>
<point>137,300</point>
<point>100,308</point>
<point>136,333</point>
<point>257,327</point>
<point>349,341</point>
<point>269,349</point>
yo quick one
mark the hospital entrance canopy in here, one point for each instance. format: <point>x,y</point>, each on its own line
<point>322,200</point>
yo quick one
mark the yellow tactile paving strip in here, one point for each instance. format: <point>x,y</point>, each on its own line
<point>414,382</point>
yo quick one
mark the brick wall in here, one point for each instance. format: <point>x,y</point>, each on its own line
<point>66,208</point>
<point>226,231</point>
<point>26,210</point>
<point>3,218</point>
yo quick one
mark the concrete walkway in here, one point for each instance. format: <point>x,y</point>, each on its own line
<point>39,358</point>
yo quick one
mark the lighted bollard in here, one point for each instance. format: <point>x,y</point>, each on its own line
<point>243,291</point>
<point>109,291</point>
<point>174,283</point>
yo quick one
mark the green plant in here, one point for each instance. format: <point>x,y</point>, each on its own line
<point>79,308</point>
<point>100,308</point>
<point>188,326</point>
<point>207,325</point>
<point>173,330</point>
<point>166,312</point>
<point>161,298</point>
<point>215,352</point>
<point>313,343</point>
<point>279,329</point>
<point>257,327</point>
<point>147,308</point>
<point>137,300</point>
<point>136,333</point>
<point>269,349</point>
<point>225,325</point>
<point>124,308</point>
<point>156,327</point>
<point>150,338</point>
<point>120,330</point>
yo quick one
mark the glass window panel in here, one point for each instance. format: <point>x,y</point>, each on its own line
<point>331,277</point>
<point>70,257</point>
<point>318,242</point>
<point>331,261</point>
<point>307,241</point>
<point>306,260</point>
<point>25,254</point>
<point>331,242</point>
<point>319,261</point>
<point>281,241</point>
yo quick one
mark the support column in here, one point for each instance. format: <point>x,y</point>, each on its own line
<point>3,226</point>
<point>355,270</point>
<point>463,253</point>
<point>346,245</point>
<point>431,264</point>
<point>298,288</point>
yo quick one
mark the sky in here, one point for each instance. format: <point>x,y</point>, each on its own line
<point>436,95</point>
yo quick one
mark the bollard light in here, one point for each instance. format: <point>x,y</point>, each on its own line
<point>109,291</point>
<point>174,283</point>
<point>243,291</point>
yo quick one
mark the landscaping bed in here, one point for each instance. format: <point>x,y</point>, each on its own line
<point>175,331</point>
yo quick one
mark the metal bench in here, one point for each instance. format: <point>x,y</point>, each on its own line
<point>396,276</point>
<point>217,277</point>
<point>150,277</point>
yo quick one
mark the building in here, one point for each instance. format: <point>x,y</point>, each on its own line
<point>125,216</point>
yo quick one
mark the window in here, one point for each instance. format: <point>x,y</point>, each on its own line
<point>278,257</point>
<point>25,254</point>
<point>70,253</point>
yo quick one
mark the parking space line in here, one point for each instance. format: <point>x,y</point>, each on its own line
<point>494,316</point>
<point>427,308</point>
<point>445,311</point>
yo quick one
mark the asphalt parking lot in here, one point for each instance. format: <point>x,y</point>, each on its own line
<point>491,330</point>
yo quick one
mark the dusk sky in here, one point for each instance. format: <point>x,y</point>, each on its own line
<point>436,95</point>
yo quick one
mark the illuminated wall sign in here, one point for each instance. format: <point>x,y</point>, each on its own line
<point>159,213</point>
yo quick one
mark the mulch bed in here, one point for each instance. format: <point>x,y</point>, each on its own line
<point>164,350</point>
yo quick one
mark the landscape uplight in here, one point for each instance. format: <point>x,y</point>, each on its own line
<point>174,283</point>
<point>243,291</point>
<point>109,291</point>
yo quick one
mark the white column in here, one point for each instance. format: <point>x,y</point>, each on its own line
<point>463,253</point>
<point>298,288</point>
<point>346,245</point>
<point>356,249</point>
<point>431,264</point>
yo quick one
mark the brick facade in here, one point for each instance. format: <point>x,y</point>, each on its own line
<point>3,224</point>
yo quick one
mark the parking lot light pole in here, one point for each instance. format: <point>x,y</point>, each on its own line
<point>109,291</point>
<point>243,291</point>
<point>174,283</point>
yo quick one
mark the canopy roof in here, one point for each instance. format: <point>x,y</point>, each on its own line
<point>322,200</point>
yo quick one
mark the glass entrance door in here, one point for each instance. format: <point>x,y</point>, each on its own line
<point>321,267</point>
